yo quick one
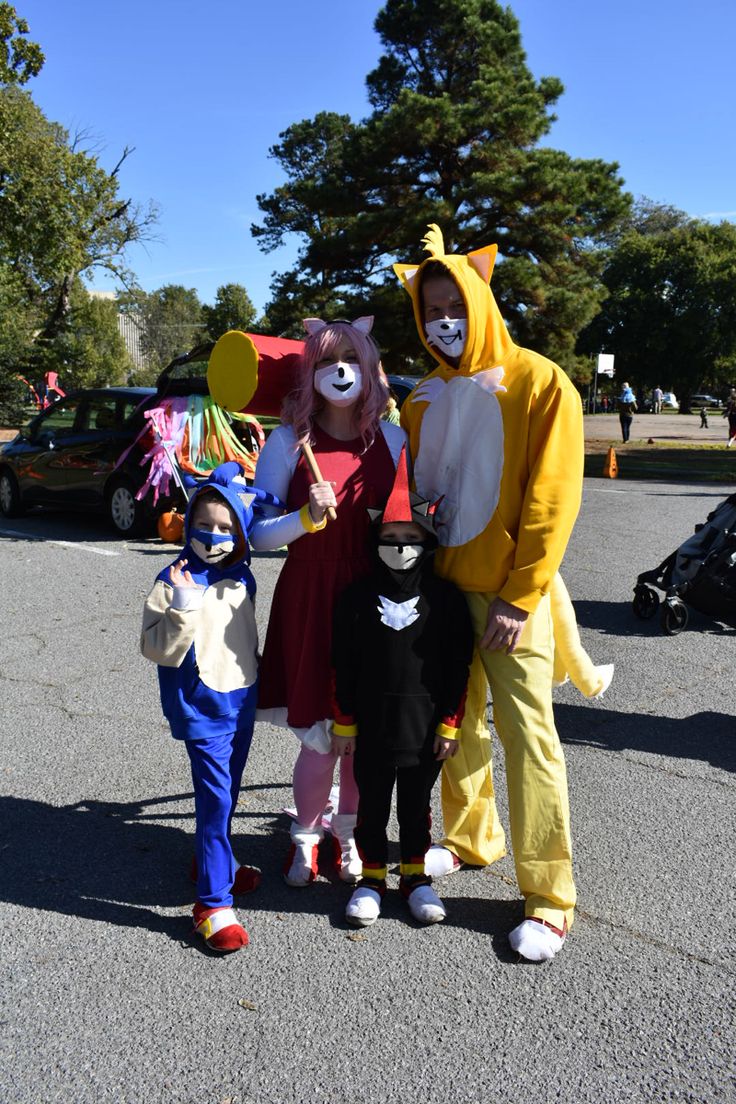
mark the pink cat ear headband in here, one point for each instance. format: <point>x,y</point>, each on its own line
<point>314,325</point>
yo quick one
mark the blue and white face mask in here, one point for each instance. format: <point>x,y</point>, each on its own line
<point>447,334</point>
<point>211,547</point>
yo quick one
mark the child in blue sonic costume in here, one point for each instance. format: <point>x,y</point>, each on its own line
<point>199,627</point>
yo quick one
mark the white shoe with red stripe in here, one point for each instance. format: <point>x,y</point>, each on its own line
<point>537,940</point>
<point>440,861</point>
<point>301,863</point>
<point>347,860</point>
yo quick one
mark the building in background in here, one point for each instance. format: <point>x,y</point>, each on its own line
<point>129,326</point>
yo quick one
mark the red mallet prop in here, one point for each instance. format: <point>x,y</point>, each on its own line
<point>252,373</point>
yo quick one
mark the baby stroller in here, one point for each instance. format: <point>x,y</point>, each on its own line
<point>701,573</point>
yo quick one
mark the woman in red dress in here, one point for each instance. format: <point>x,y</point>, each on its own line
<point>336,408</point>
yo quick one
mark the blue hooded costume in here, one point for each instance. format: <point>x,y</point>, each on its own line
<point>204,640</point>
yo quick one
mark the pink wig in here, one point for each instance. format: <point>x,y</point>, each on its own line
<point>304,403</point>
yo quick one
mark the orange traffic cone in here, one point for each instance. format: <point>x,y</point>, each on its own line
<point>610,468</point>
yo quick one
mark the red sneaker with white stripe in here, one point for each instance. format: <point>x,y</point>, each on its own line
<point>220,929</point>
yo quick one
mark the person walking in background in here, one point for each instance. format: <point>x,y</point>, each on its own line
<point>626,411</point>
<point>657,396</point>
<point>730,413</point>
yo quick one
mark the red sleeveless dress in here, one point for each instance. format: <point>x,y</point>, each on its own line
<point>295,670</point>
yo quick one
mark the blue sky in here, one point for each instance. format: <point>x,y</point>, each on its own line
<point>203,90</point>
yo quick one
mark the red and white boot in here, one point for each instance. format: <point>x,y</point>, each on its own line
<point>347,860</point>
<point>220,929</point>
<point>301,863</point>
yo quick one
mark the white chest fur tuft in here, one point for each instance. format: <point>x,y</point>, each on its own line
<point>461,455</point>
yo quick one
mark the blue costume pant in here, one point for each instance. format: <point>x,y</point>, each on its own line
<point>217,768</point>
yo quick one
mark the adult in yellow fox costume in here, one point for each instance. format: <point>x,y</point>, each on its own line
<point>496,432</point>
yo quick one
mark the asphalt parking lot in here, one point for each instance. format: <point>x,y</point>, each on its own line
<point>105,997</point>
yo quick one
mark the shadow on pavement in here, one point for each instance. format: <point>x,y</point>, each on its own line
<point>109,862</point>
<point>703,493</point>
<point>709,737</point>
<point>619,619</point>
<point>112,862</point>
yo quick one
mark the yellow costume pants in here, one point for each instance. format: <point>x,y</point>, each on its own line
<point>521,688</point>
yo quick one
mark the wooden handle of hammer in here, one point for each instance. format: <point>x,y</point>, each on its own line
<point>316,474</point>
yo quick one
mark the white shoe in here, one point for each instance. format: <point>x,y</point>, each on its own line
<point>301,862</point>
<point>363,908</point>
<point>536,942</point>
<point>347,859</point>
<point>440,861</point>
<point>425,906</point>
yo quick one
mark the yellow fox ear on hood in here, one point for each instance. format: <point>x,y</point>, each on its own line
<point>406,274</point>
<point>483,261</point>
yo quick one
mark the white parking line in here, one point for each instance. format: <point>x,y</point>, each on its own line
<point>61,543</point>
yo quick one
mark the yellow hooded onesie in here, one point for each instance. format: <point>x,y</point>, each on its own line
<point>500,437</point>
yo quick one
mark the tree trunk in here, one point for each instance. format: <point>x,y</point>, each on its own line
<point>60,313</point>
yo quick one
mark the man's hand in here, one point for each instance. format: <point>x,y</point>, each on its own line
<point>504,626</point>
<point>321,495</point>
<point>444,748</point>
<point>343,745</point>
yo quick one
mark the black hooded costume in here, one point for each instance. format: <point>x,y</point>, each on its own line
<point>401,651</point>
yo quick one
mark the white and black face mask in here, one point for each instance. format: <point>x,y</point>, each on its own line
<point>400,557</point>
<point>340,383</point>
<point>211,547</point>
<point>447,334</point>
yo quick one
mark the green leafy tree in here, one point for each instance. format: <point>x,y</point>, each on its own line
<point>18,325</point>
<point>232,310</point>
<point>453,138</point>
<point>90,350</point>
<point>670,313</point>
<point>171,323</point>
<point>61,214</point>
<point>20,59</point>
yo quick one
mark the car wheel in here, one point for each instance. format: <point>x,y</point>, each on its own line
<point>646,601</point>
<point>10,503</point>
<point>674,617</point>
<point>124,509</point>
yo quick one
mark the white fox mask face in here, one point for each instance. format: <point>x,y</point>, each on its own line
<point>447,334</point>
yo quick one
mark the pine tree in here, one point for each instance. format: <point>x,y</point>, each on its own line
<point>453,138</point>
